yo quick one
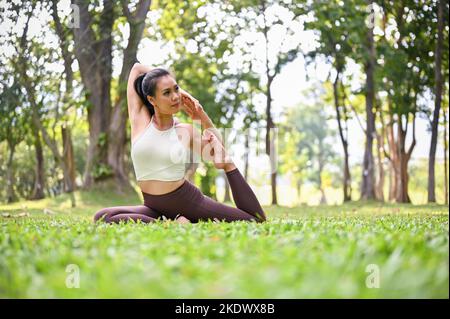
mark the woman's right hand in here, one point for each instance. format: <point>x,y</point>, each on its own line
<point>192,106</point>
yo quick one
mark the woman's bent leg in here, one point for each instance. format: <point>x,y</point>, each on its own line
<point>191,203</point>
<point>127,213</point>
<point>244,197</point>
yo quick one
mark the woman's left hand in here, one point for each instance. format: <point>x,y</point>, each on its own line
<point>191,106</point>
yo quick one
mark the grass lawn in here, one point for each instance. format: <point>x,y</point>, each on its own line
<point>303,252</point>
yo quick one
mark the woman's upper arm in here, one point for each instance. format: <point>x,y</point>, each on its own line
<point>134,101</point>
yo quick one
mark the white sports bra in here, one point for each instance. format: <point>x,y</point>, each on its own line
<point>159,155</point>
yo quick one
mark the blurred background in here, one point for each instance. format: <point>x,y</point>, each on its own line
<point>320,101</point>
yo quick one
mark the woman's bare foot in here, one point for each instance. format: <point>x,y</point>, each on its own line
<point>182,220</point>
<point>221,159</point>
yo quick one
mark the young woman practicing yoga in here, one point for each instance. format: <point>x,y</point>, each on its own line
<point>160,149</point>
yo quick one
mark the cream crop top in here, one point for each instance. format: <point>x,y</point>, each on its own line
<point>159,155</point>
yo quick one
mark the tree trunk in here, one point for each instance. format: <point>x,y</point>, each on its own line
<point>10,194</point>
<point>346,180</point>
<point>379,188</point>
<point>247,154</point>
<point>404,156</point>
<point>323,199</point>
<point>392,182</point>
<point>445,158</point>
<point>368,182</point>
<point>117,128</point>
<point>270,144</point>
<point>38,191</point>
<point>437,103</point>
<point>270,147</point>
<point>68,158</point>
<point>392,156</point>
<point>94,56</point>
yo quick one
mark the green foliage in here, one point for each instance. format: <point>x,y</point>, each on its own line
<point>293,160</point>
<point>314,146</point>
<point>101,171</point>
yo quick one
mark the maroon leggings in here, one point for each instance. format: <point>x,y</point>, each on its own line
<point>188,201</point>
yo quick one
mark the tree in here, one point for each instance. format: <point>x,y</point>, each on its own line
<point>337,23</point>
<point>293,158</point>
<point>314,145</point>
<point>13,127</point>
<point>33,77</point>
<point>203,69</point>
<point>406,74</point>
<point>368,180</point>
<point>274,58</point>
<point>437,98</point>
<point>93,51</point>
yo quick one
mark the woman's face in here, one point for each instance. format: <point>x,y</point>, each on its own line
<point>167,97</point>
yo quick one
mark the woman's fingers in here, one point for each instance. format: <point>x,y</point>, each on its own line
<point>189,98</point>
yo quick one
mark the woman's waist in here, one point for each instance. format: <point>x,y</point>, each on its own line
<point>157,187</point>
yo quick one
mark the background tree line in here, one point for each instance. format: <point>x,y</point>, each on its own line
<point>63,89</point>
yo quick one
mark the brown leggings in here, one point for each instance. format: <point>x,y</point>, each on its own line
<point>188,201</point>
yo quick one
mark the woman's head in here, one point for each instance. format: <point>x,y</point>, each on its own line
<point>159,89</point>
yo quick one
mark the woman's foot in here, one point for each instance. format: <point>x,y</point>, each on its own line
<point>182,220</point>
<point>220,157</point>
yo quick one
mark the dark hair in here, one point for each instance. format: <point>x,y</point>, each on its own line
<point>145,85</point>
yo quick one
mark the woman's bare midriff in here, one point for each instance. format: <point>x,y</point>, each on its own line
<point>155,187</point>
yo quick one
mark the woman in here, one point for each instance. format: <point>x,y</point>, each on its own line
<point>159,150</point>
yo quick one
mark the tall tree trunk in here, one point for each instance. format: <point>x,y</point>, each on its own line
<point>10,194</point>
<point>38,191</point>
<point>437,103</point>
<point>404,156</point>
<point>323,199</point>
<point>68,158</point>
<point>247,154</point>
<point>379,187</point>
<point>94,56</point>
<point>392,182</point>
<point>392,155</point>
<point>445,158</point>
<point>368,182</point>
<point>346,181</point>
<point>117,128</point>
<point>270,144</point>
<point>270,125</point>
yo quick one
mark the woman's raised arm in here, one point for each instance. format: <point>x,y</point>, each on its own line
<point>135,103</point>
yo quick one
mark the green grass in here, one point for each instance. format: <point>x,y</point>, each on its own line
<point>302,252</point>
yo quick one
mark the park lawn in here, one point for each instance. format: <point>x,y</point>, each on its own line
<point>302,252</point>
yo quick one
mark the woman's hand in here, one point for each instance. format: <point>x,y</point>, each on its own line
<point>191,106</point>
